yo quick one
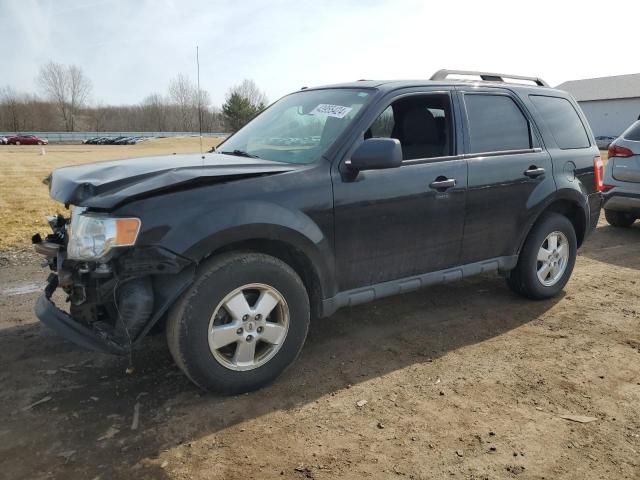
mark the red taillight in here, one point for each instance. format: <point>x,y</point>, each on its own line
<point>617,151</point>
<point>598,170</point>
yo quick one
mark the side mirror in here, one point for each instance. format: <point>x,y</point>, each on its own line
<point>376,154</point>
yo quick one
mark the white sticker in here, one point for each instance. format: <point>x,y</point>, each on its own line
<point>337,111</point>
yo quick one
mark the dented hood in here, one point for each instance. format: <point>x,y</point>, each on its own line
<point>104,185</point>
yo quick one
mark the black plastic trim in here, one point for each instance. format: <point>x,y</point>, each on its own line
<point>408,284</point>
<point>64,325</point>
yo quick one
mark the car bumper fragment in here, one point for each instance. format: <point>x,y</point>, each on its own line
<point>64,325</point>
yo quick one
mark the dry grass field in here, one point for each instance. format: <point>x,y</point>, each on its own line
<point>24,200</point>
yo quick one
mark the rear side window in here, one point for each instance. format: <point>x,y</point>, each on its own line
<point>495,124</point>
<point>563,120</point>
<point>633,132</point>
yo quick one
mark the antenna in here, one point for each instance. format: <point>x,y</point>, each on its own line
<point>199,100</point>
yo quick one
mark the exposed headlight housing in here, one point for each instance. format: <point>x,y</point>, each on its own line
<point>93,236</point>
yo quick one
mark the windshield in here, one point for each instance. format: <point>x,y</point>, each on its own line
<point>300,127</point>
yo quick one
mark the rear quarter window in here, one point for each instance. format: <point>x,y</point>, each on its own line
<point>562,119</point>
<point>633,132</point>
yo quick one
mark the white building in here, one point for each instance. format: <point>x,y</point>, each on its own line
<point>610,103</point>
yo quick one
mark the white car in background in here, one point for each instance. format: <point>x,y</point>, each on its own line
<point>4,140</point>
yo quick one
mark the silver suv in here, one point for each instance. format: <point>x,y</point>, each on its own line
<point>622,179</point>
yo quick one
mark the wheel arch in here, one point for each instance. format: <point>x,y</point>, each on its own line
<point>569,204</point>
<point>312,278</point>
<point>257,226</point>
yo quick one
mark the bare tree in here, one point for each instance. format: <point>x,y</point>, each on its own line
<point>154,112</point>
<point>98,116</point>
<point>11,107</point>
<point>249,90</point>
<point>243,102</point>
<point>23,111</point>
<point>79,89</point>
<point>67,87</point>
<point>184,95</point>
<point>203,102</point>
<point>64,107</point>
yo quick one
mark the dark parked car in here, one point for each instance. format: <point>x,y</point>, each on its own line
<point>404,184</point>
<point>622,179</point>
<point>27,140</point>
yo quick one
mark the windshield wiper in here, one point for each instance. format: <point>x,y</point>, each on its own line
<point>240,153</point>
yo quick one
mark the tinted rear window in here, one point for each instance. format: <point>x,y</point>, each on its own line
<point>495,124</point>
<point>633,132</point>
<point>563,121</point>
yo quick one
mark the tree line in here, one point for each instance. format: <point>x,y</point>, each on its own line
<point>63,103</point>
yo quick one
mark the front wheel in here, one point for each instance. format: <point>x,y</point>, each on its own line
<point>619,219</point>
<point>546,260</point>
<point>241,324</point>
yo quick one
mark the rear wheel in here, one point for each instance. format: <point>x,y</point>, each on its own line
<point>546,260</point>
<point>241,324</point>
<point>17,143</point>
<point>619,219</point>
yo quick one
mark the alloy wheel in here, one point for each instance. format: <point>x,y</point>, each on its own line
<point>553,257</point>
<point>248,327</point>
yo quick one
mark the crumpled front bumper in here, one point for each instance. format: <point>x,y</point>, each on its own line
<point>177,274</point>
<point>64,324</point>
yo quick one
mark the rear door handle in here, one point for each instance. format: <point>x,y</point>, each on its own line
<point>534,172</point>
<point>443,184</point>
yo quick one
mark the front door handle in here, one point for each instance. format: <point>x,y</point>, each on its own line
<point>534,172</point>
<point>443,183</point>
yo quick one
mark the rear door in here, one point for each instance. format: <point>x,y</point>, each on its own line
<point>509,173</point>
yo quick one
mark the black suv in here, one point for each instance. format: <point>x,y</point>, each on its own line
<point>333,196</point>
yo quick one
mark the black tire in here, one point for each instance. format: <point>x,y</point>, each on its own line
<point>619,219</point>
<point>188,320</point>
<point>524,279</point>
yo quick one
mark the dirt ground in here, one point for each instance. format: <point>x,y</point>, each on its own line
<point>461,381</point>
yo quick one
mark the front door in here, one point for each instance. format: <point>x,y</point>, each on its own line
<point>399,222</point>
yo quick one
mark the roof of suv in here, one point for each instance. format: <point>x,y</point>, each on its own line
<point>440,78</point>
<point>396,84</point>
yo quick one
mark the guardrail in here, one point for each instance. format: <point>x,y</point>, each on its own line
<point>60,137</point>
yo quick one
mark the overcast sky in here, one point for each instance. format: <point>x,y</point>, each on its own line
<point>130,49</point>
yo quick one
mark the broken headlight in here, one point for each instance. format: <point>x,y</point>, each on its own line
<point>92,236</point>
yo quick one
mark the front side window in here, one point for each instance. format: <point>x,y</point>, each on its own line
<point>422,123</point>
<point>563,121</point>
<point>300,127</point>
<point>495,124</point>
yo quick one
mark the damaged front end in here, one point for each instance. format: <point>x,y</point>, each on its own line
<point>115,298</point>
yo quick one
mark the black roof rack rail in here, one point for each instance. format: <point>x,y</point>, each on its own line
<point>487,76</point>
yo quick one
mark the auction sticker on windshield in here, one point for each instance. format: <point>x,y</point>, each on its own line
<point>337,111</point>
